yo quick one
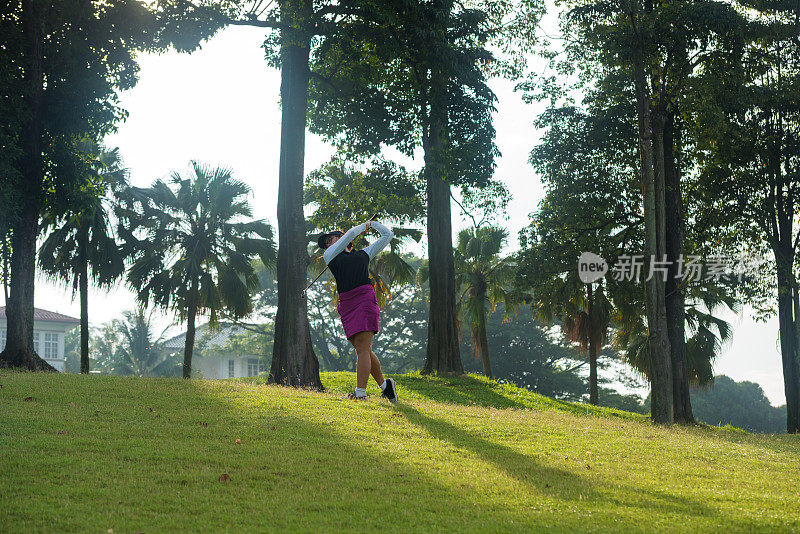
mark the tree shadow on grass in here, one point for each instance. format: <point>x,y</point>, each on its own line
<point>466,390</point>
<point>564,484</point>
<point>559,483</point>
<point>472,391</point>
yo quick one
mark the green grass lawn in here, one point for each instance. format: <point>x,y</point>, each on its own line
<point>92,453</point>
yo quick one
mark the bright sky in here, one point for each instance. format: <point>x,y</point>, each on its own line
<point>220,106</point>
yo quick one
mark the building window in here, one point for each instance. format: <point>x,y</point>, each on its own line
<point>231,369</point>
<point>2,339</point>
<point>254,367</point>
<point>51,345</point>
<point>36,342</point>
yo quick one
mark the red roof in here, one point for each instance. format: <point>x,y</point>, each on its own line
<point>44,315</point>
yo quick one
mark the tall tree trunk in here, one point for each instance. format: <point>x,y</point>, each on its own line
<point>293,360</point>
<point>19,351</point>
<point>188,345</point>
<point>675,300</point>
<point>796,364</point>
<point>594,348</point>
<point>658,342</point>
<point>443,355</point>
<point>787,322</point>
<point>83,288</point>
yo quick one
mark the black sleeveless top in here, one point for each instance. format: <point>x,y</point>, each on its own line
<point>351,270</point>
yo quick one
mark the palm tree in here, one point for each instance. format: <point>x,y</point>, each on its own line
<point>484,280</point>
<point>137,353</point>
<point>196,252</point>
<point>81,244</point>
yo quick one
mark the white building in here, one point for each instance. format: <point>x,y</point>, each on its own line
<point>48,334</point>
<point>213,358</point>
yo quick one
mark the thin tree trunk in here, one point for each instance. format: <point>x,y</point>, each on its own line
<point>5,266</point>
<point>788,331</point>
<point>293,360</point>
<point>675,299</point>
<point>594,348</point>
<point>188,346</point>
<point>83,288</point>
<point>480,341</point>
<point>19,351</point>
<point>658,342</point>
<point>484,343</point>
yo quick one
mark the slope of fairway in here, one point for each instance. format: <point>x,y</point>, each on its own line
<point>92,453</point>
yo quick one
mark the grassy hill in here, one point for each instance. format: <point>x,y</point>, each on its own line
<point>92,453</point>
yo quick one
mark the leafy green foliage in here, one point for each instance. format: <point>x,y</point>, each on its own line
<point>740,404</point>
<point>87,57</point>
<point>371,85</point>
<point>343,195</point>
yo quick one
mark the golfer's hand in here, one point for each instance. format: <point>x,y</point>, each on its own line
<point>369,224</point>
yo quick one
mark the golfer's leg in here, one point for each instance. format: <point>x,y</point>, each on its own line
<point>362,342</point>
<point>375,367</point>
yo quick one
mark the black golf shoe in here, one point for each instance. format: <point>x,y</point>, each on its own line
<point>389,391</point>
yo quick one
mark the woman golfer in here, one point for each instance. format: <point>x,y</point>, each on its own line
<point>358,307</point>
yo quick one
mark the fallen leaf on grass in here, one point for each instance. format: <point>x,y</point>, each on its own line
<point>72,404</point>
<point>224,477</point>
<point>28,399</point>
<point>63,432</point>
<point>238,441</point>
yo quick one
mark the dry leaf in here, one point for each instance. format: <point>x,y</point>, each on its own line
<point>238,441</point>
<point>28,399</point>
<point>224,477</point>
<point>62,432</point>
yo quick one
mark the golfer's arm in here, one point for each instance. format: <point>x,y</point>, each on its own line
<point>381,242</point>
<point>335,249</point>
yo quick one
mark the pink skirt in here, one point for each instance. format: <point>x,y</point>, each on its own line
<point>358,310</point>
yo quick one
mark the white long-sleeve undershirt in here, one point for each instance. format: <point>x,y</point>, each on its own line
<point>372,250</point>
